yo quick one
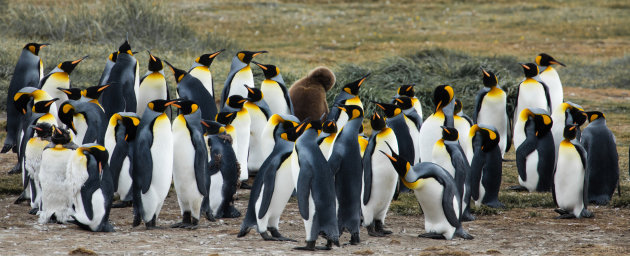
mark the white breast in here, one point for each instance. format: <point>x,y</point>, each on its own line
<point>384,179</point>
<point>492,112</point>
<point>184,177</point>
<point>215,193</point>
<point>244,76</point>
<point>531,169</point>
<point>258,120</point>
<point>550,77</point>
<point>430,198</point>
<point>203,74</point>
<point>442,158</point>
<point>153,87</point>
<point>242,124</point>
<point>463,128</point>
<point>430,132</point>
<point>274,97</point>
<point>569,180</point>
<point>531,95</point>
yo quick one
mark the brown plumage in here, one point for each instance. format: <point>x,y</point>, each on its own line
<point>309,93</point>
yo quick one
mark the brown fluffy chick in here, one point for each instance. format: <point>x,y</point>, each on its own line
<point>309,93</point>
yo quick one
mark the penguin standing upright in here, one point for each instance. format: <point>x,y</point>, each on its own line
<point>275,91</point>
<point>348,96</point>
<point>109,64</point>
<point>413,121</point>
<point>402,127</point>
<point>448,154</point>
<point>201,70</point>
<point>153,85</point>
<point>85,119</point>
<point>191,88</point>
<point>59,77</point>
<point>486,168</point>
<point>308,94</point>
<point>33,159</point>
<point>437,195</point>
<point>222,173</point>
<point>550,77</point>
<point>535,156</point>
<point>379,177</point>
<point>124,81</point>
<point>57,194</point>
<point>490,108</point>
<point>430,132</point>
<point>463,123</point>
<point>408,91</point>
<point>273,186</point>
<point>93,201</point>
<point>190,160</point>
<point>259,113</point>
<point>240,74</point>
<point>345,162</point>
<point>570,189</point>
<point>27,73</point>
<point>326,139</point>
<point>267,138</point>
<point>314,182</point>
<point>602,161</point>
<point>119,141</point>
<point>532,93</point>
<point>152,163</point>
<point>242,126</point>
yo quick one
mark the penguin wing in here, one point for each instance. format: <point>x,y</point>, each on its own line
<point>475,174</point>
<point>582,153</point>
<point>334,110</point>
<point>286,97</point>
<point>468,119</point>
<point>89,187</point>
<point>201,160</point>
<point>43,81</point>
<point>415,118</point>
<point>547,95</point>
<point>478,100</point>
<point>269,179</point>
<point>337,155</point>
<point>303,188</point>
<point>459,162</point>
<point>367,169</point>
<point>118,157</point>
<point>526,148</point>
<point>451,193</point>
<point>143,161</point>
<point>405,142</point>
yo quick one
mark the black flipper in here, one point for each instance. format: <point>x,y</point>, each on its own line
<point>367,168</point>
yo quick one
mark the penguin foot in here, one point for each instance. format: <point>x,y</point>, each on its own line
<point>495,204</point>
<point>107,227</point>
<point>152,224</point>
<point>209,216</point>
<point>276,234</point>
<point>136,220</point>
<point>379,227</point>
<point>432,236</point>
<point>561,211</point>
<point>16,169</point>
<point>518,188</point>
<point>244,185</point>
<point>310,246</point>
<point>7,147</point>
<point>566,216</point>
<point>467,216</point>
<point>267,237</point>
<point>460,232</point>
<point>33,211</point>
<point>243,232</point>
<point>180,225</point>
<point>122,204</point>
<point>324,248</point>
<point>355,239</point>
<point>20,199</point>
<point>231,212</point>
<point>586,214</point>
<point>372,232</point>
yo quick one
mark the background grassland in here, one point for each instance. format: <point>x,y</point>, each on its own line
<point>423,42</point>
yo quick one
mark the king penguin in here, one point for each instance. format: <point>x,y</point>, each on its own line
<point>124,83</point>
<point>242,126</point>
<point>408,90</point>
<point>314,182</point>
<point>119,140</point>
<point>190,160</point>
<point>153,84</point>
<point>565,114</point>
<point>486,168</point>
<point>430,132</point>
<point>463,123</point>
<point>240,74</point>
<point>267,138</point>
<point>259,114</point>
<point>33,159</point>
<point>27,73</point>
<point>490,108</point>
<point>152,163</point>
<point>532,93</point>
<point>602,161</point>
<point>535,156</point>
<point>85,119</point>
<point>326,138</point>
<point>93,202</point>
<point>379,177</point>
<point>191,88</point>
<point>550,77</point>
<point>348,96</point>
<point>59,77</point>
<point>570,181</point>
<point>275,90</point>
<point>437,194</point>
<point>93,93</point>
<point>109,64</point>
<point>405,131</point>
<point>200,69</point>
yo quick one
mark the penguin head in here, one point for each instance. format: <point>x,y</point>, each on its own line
<point>65,114</point>
<point>353,111</point>
<point>43,130</point>
<point>292,132</point>
<point>236,101</point>
<point>35,47</point>
<point>330,127</point>
<point>406,90</point>
<point>530,69</point>
<point>155,63</point>
<point>24,96</point>
<point>570,131</point>
<point>125,47</point>
<point>60,135</point>
<point>178,73</point>
<point>160,105</point>
<point>99,153</point>
<point>72,93</point>
<point>489,136</point>
<point>186,107</point>
<point>94,92</point>
<point>354,86</point>
<point>400,164</point>
<point>449,133</point>
<point>270,71</point>
<point>212,128</point>
<point>131,126</point>
<point>390,110</point>
<point>489,79</point>
<point>253,94</point>
<point>543,124</point>
<point>225,117</point>
<point>43,106</point>
<point>113,56</point>
<point>68,66</point>
<point>404,102</point>
<point>594,115</point>
<point>578,117</point>
<point>247,56</point>
<point>457,107</point>
<point>545,60</point>
<point>442,96</point>
<point>377,122</point>
<point>207,58</point>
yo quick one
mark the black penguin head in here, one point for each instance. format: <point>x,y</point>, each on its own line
<point>390,110</point>
<point>578,117</point>
<point>207,58</point>
<point>254,94</point>
<point>43,130</point>
<point>543,124</point>
<point>489,136</point>
<point>155,63</point>
<point>178,73</point>
<point>35,47</point>
<point>72,93</point>
<point>43,106</point>
<point>160,105</point>
<point>94,92</point>
<point>406,90</point>
<point>354,86</point>
<point>113,56</point>
<point>125,48</point>
<point>185,106</point>
<point>400,164</point>
<point>212,128</point>
<point>68,66</point>
<point>377,122</point>
<point>247,56</point>
<point>449,133</point>
<point>60,135</point>
<point>270,71</point>
<point>23,97</point>
<point>489,79</point>
<point>353,111</point>
<point>66,113</point>
<point>594,115</point>
<point>545,60</point>
<point>404,102</point>
<point>329,126</point>
<point>458,106</point>
<point>225,117</point>
<point>442,96</point>
<point>570,131</point>
<point>236,101</point>
<point>99,153</point>
<point>530,69</point>
<point>131,126</point>
<point>292,132</point>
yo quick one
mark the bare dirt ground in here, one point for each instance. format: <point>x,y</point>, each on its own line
<point>519,231</point>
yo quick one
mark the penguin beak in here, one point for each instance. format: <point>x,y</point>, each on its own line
<point>170,103</point>
<point>557,62</point>
<point>205,124</point>
<point>524,66</point>
<point>151,55</point>
<point>260,65</point>
<point>249,89</point>
<point>363,79</point>
<point>79,60</point>
<point>485,73</point>
<point>170,66</point>
<point>64,90</point>
<point>342,108</point>
<point>379,105</point>
<point>216,53</point>
<point>258,53</point>
<point>100,168</point>
<point>389,156</point>
<point>102,88</point>
<point>43,45</point>
<point>51,102</point>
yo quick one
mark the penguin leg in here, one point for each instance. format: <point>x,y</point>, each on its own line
<point>310,246</point>
<point>495,204</point>
<point>20,199</point>
<point>136,220</point>
<point>380,227</point>
<point>460,232</point>
<point>467,216</point>
<point>231,212</point>
<point>243,232</point>
<point>122,204</point>
<point>371,230</point>
<point>518,188</point>
<point>566,216</point>
<point>432,235</point>
<point>194,224</point>
<point>354,238</point>
<point>186,221</point>
<point>267,237</point>
<point>17,168</point>
<point>33,211</point>
<point>152,224</point>
<point>276,234</point>
<point>244,185</point>
<point>586,214</point>
<point>561,211</point>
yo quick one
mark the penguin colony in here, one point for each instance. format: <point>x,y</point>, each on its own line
<point>78,150</point>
